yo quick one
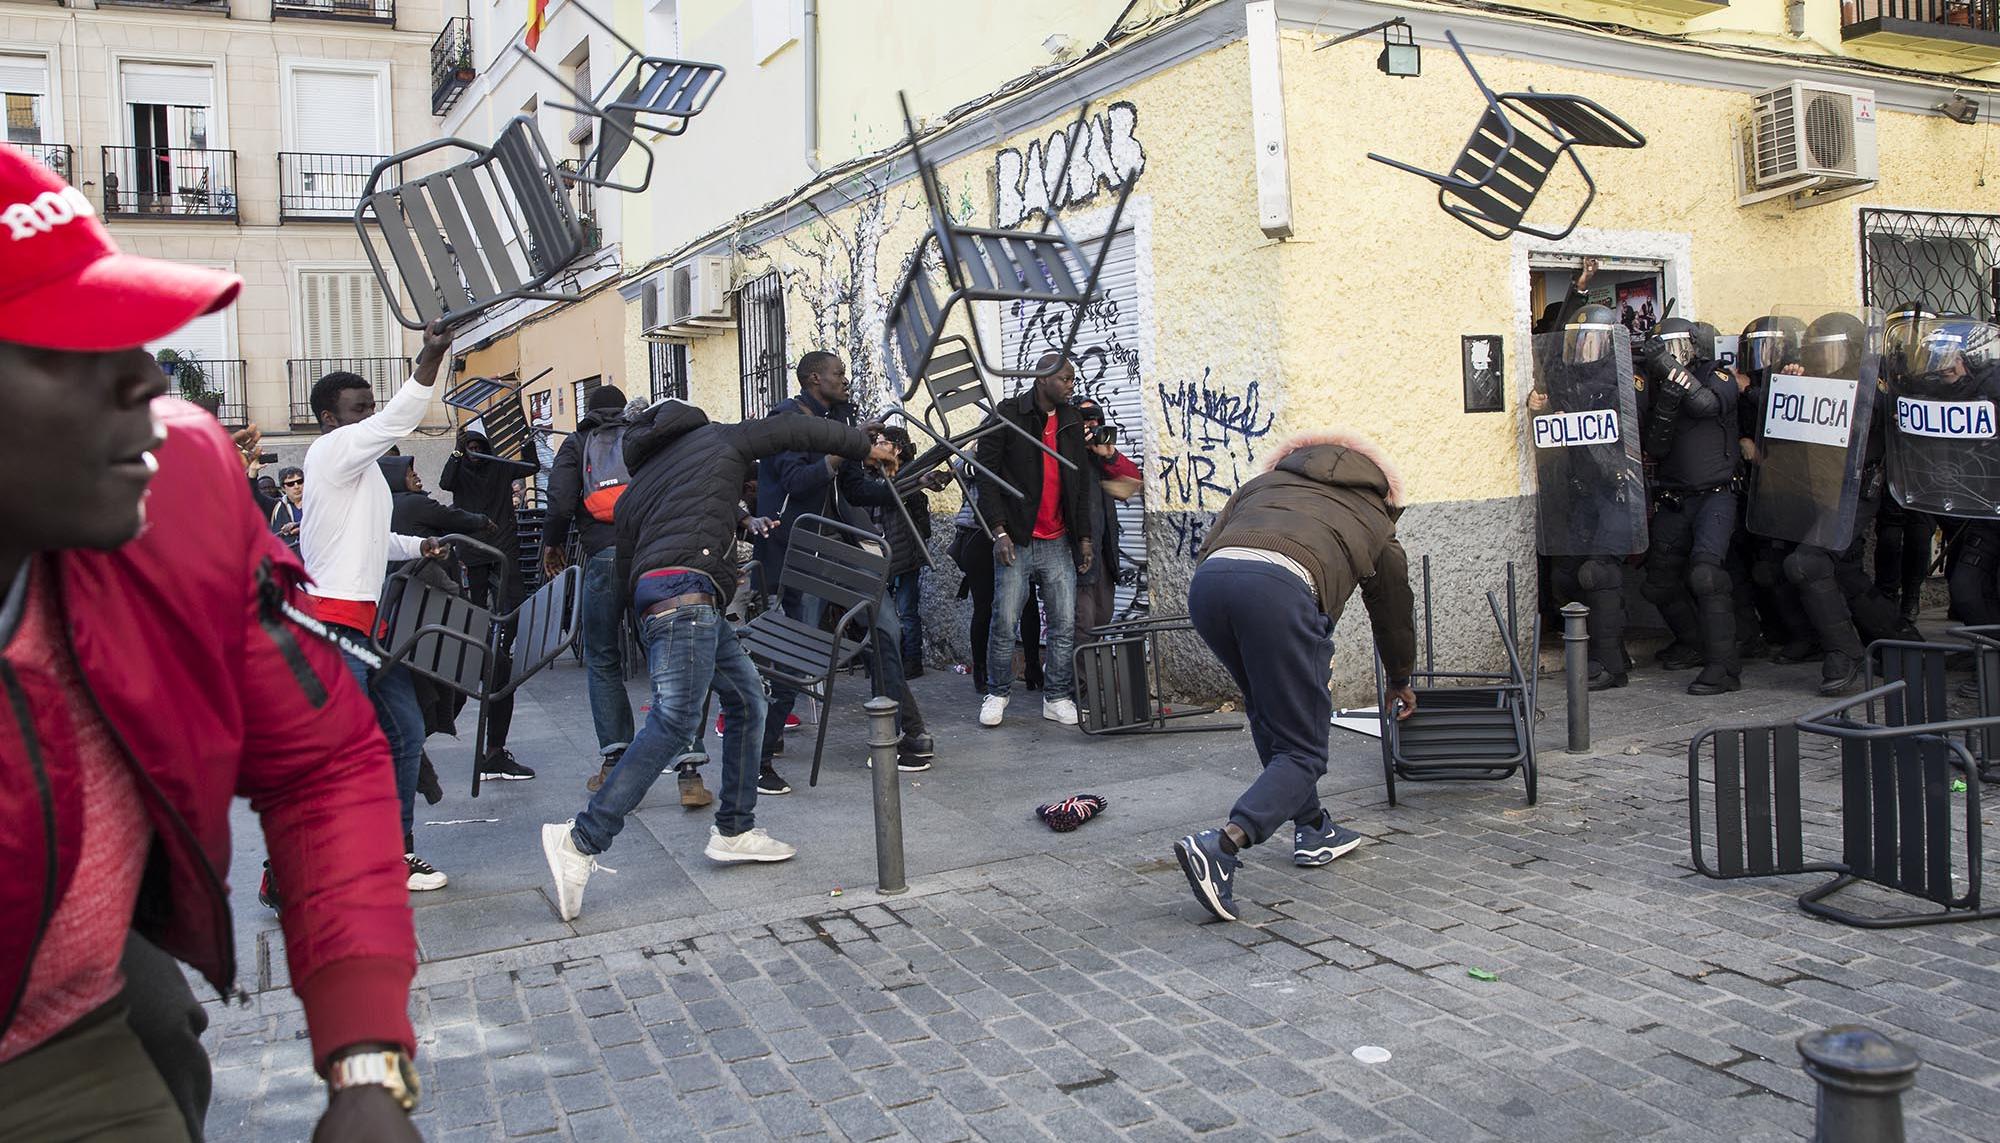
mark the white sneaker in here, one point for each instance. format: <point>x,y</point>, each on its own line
<point>1059,710</point>
<point>570,866</point>
<point>750,845</point>
<point>991,708</point>
<point>423,878</point>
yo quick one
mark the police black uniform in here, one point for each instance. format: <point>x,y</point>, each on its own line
<point>1690,432</point>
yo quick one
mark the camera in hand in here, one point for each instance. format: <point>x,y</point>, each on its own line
<point>267,458</point>
<point>1100,433</point>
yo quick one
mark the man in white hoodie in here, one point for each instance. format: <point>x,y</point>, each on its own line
<point>347,544</point>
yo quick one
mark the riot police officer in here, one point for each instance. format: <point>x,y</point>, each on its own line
<point>1767,345</point>
<point>1954,372</point>
<point>1902,537</point>
<point>1589,490</point>
<point>1690,432</point>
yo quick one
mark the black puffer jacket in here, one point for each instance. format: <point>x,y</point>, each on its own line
<point>1020,462</point>
<point>687,474</point>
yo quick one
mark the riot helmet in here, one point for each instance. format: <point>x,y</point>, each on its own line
<point>1677,334</point>
<point>1587,337</point>
<point>1763,346</point>
<point>1836,344</point>
<point>1944,352</point>
<point>1705,338</point>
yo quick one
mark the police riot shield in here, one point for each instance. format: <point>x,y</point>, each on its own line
<point>1944,441</point>
<point>1812,464</point>
<point>1590,495</point>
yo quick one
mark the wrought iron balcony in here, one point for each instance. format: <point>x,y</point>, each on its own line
<point>314,187</point>
<point>169,182</point>
<point>55,156</point>
<point>386,374</point>
<point>214,385</point>
<point>1966,29</point>
<point>451,64</point>
<point>367,11</point>
<point>583,200</point>
<point>214,7</point>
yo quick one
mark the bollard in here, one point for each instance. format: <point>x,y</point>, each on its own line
<point>888,795</point>
<point>1576,674</point>
<point>1862,1076</point>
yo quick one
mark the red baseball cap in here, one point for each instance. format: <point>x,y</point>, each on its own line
<point>64,285</point>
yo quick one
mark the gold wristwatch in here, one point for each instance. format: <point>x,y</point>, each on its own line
<point>393,1071</point>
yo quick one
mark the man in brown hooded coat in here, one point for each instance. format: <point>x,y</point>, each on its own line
<point>1271,580</point>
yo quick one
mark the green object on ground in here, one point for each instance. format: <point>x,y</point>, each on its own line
<point>1481,974</point>
<point>1958,785</point>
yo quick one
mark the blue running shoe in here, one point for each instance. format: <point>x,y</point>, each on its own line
<point>1211,873</point>
<point>1320,846</point>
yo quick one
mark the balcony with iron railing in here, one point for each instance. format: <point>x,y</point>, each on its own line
<point>169,182</point>
<point>315,187</point>
<point>583,200</point>
<point>385,374</point>
<point>212,7</point>
<point>451,64</point>
<point>1963,29</point>
<point>365,11</point>
<point>55,156</point>
<point>214,385</point>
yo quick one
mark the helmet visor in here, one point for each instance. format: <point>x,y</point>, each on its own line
<point>1939,351</point>
<point>1827,356</point>
<point>1679,346</point>
<point>1587,342</point>
<point>1761,350</point>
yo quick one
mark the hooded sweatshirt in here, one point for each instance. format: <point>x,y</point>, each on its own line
<point>1329,502</point>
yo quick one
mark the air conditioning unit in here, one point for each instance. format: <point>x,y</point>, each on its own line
<point>1813,131</point>
<point>698,295</point>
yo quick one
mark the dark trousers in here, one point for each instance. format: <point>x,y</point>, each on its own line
<point>978,586</point>
<point>489,589</point>
<point>1095,601</point>
<point>1277,645</point>
<point>93,1081</point>
<point>163,1013</point>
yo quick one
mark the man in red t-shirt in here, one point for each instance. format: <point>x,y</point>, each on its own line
<point>1043,535</point>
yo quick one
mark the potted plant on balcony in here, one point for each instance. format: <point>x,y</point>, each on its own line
<point>465,71</point>
<point>1958,13</point>
<point>188,378</point>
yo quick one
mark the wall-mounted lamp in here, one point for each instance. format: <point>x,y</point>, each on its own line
<point>1961,108</point>
<point>1401,57</point>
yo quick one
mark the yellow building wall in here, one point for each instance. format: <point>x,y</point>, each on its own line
<point>578,340</point>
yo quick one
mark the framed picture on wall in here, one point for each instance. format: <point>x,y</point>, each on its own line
<point>540,411</point>
<point>1479,356</point>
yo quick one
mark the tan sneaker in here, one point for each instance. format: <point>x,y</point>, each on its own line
<point>694,795</point>
<point>750,845</point>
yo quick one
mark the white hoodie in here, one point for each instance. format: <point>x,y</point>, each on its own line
<point>345,538</point>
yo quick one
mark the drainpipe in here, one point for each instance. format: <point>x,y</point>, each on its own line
<point>809,36</point>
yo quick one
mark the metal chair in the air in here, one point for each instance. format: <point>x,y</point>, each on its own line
<point>1521,138</point>
<point>844,567</point>
<point>653,93</point>
<point>497,227</point>
<point>982,264</point>
<point>495,410</point>
<point>1468,725</point>
<point>436,633</point>
<point>951,382</point>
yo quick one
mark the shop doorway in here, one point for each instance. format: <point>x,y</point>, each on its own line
<point>1637,291</point>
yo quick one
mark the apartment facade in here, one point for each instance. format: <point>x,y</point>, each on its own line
<point>238,134</point>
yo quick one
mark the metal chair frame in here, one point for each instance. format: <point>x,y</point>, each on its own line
<point>660,95</point>
<point>438,634</point>
<point>983,264</point>
<point>825,559</point>
<point>496,403</point>
<point>445,240</point>
<point>1501,169</point>
<point>1118,680</point>
<point>1470,714</point>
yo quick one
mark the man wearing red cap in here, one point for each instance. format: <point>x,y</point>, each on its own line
<point>153,669</point>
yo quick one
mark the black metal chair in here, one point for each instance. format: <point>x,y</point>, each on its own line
<point>982,264</point>
<point>1118,681</point>
<point>436,633</point>
<point>952,382</point>
<point>655,94</point>
<point>1985,644</point>
<point>1521,138</point>
<point>847,568</point>
<point>495,228</point>
<point>494,405</point>
<point>1897,823</point>
<point>1468,725</point>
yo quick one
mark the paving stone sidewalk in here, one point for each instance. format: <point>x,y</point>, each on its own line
<point>1073,991</point>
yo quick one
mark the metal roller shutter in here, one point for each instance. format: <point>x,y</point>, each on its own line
<point>171,85</point>
<point>337,113</point>
<point>1107,370</point>
<point>24,75</point>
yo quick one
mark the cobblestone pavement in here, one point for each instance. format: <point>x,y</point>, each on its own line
<point>1074,991</point>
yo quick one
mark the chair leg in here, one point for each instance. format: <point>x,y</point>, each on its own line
<point>819,740</point>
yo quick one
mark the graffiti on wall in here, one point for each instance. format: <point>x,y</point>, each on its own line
<point>1214,434</point>
<point>1034,181</point>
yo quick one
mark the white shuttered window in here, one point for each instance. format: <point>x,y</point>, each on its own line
<point>169,85</point>
<point>337,112</point>
<point>342,314</point>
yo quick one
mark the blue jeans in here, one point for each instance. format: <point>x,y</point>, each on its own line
<point>1052,565</point>
<point>890,682</point>
<point>688,650</point>
<point>604,653</point>
<point>1277,645</point>
<point>394,693</point>
<point>907,591</point>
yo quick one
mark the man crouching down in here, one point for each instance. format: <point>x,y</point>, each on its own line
<point>1278,565</point>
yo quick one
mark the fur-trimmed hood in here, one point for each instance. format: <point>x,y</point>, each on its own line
<point>1341,458</point>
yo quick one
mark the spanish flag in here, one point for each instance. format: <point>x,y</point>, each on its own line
<point>538,18</point>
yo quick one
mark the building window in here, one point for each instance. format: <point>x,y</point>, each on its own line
<point>663,28</point>
<point>670,370</point>
<point>1943,262</point>
<point>760,343</point>
<point>582,394</point>
<point>334,134</point>
<point>24,92</point>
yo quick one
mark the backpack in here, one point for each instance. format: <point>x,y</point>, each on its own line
<point>605,476</point>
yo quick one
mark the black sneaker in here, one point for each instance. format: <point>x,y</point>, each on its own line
<point>770,784</point>
<point>917,746</point>
<point>267,891</point>
<point>905,763</point>
<point>500,766</point>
